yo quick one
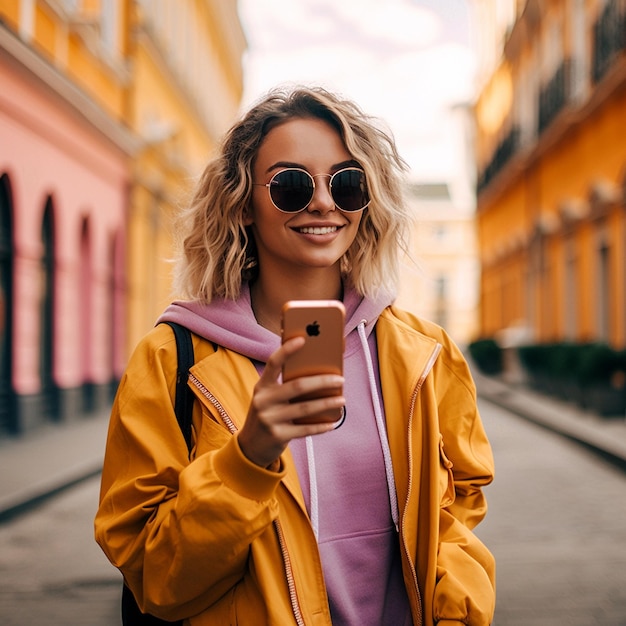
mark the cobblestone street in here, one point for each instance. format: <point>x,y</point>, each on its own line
<point>556,526</point>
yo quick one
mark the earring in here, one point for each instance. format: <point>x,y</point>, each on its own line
<point>249,270</point>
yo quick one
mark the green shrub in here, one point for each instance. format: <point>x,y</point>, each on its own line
<point>600,363</point>
<point>563,360</point>
<point>487,355</point>
<point>581,363</point>
<point>534,358</point>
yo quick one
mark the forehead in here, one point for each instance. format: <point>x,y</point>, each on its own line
<point>302,140</point>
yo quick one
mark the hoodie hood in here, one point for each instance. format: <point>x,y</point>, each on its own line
<point>231,323</point>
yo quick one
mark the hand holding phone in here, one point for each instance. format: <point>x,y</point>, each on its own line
<point>321,323</point>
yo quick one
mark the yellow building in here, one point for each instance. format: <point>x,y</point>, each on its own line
<point>187,82</point>
<point>551,153</point>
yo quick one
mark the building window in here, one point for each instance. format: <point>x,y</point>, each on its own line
<point>440,231</point>
<point>441,297</point>
<point>46,316</point>
<point>579,47</point>
<point>442,287</point>
<point>571,291</point>
<point>8,422</point>
<point>109,14</point>
<point>552,48</point>
<point>604,286</point>
<point>526,104</point>
<point>27,19</point>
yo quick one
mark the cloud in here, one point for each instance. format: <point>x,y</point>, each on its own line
<point>394,57</point>
<point>397,23</point>
<point>394,23</point>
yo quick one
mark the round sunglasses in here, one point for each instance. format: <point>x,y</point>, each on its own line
<point>291,190</point>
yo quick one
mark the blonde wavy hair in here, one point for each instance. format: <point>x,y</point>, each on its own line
<point>217,250</point>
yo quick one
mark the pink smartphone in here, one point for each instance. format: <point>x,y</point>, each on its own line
<point>321,323</point>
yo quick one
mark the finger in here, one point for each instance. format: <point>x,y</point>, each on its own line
<point>314,428</point>
<point>296,391</point>
<point>311,411</point>
<point>322,385</point>
<point>275,363</point>
<point>274,403</point>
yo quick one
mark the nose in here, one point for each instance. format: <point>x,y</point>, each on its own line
<point>322,201</point>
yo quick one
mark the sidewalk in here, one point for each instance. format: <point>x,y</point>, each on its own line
<point>37,465</point>
<point>605,436</point>
<point>43,463</point>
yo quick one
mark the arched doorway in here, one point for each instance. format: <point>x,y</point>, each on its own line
<point>114,310</point>
<point>46,316</point>
<point>8,421</point>
<point>89,401</point>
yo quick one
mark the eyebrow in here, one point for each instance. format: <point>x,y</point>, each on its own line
<point>287,164</point>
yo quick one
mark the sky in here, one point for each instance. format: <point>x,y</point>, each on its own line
<point>403,61</point>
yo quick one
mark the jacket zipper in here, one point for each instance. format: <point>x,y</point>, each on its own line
<point>216,403</point>
<point>293,596</point>
<point>418,386</point>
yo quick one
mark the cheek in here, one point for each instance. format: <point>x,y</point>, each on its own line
<point>355,224</point>
<point>260,208</point>
<point>355,228</point>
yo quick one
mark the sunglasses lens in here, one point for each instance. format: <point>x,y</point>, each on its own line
<point>349,190</point>
<point>291,190</point>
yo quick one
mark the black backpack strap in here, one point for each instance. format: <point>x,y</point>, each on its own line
<point>183,404</point>
<point>132,616</point>
<point>183,407</point>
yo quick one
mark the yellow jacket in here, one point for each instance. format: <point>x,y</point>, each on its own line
<point>228,542</point>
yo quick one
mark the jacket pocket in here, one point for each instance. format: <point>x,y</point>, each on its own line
<point>446,477</point>
<point>212,435</point>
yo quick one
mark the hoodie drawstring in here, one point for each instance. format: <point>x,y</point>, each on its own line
<point>382,435</point>
<point>315,518</point>
<point>382,429</point>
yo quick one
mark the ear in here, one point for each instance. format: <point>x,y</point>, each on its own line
<point>247,216</point>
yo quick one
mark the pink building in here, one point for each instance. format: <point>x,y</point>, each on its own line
<point>64,168</point>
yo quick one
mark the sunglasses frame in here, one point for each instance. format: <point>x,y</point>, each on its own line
<point>313,177</point>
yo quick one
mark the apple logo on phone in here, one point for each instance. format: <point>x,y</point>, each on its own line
<point>313,329</point>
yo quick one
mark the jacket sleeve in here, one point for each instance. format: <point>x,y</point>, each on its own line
<point>179,531</point>
<point>465,588</point>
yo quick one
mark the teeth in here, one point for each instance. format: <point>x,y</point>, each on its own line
<point>318,230</point>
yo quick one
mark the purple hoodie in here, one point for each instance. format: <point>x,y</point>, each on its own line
<point>346,474</point>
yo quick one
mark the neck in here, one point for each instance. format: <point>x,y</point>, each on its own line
<point>268,296</point>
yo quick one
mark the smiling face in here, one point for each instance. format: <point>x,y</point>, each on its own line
<point>315,239</point>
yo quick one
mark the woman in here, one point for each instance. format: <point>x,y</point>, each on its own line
<point>273,521</point>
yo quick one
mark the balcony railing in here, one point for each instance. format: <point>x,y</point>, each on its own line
<point>555,95</point>
<point>505,150</point>
<point>609,38</point>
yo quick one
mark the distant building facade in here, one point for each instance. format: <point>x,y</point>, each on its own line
<point>440,281</point>
<point>551,208</point>
<point>93,149</point>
